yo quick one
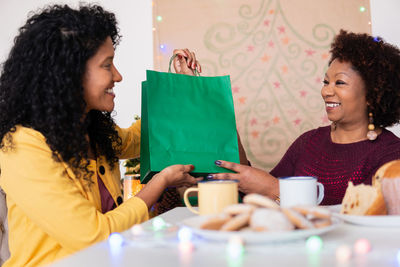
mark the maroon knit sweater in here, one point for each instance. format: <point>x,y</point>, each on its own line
<point>314,154</point>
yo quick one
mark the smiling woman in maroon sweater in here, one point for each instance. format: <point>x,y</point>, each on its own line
<point>361,92</point>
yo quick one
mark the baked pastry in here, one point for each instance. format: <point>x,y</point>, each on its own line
<point>236,209</point>
<point>237,222</point>
<point>388,177</point>
<point>260,201</point>
<point>377,178</point>
<point>363,200</point>
<point>297,219</point>
<point>264,219</point>
<point>215,222</point>
<point>321,223</point>
<point>311,212</point>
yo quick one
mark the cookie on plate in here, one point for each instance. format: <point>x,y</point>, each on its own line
<point>215,222</point>
<point>264,219</point>
<point>321,223</point>
<point>313,212</point>
<point>260,201</point>
<point>237,222</point>
<point>236,209</point>
<point>297,219</point>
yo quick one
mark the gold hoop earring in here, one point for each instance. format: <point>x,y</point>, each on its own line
<point>371,135</point>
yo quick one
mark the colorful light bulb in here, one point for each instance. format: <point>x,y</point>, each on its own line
<point>115,240</point>
<point>235,247</point>
<point>343,253</point>
<point>314,244</point>
<point>362,246</point>
<point>186,247</point>
<point>158,223</point>
<point>137,230</point>
<point>185,235</point>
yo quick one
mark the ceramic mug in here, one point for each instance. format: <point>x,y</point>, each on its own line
<point>213,196</point>
<point>300,190</point>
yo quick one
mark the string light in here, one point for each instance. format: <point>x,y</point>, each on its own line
<point>314,244</point>
<point>186,247</point>
<point>362,246</point>
<point>362,9</point>
<point>159,18</point>
<point>137,230</point>
<point>185,252</point>
<point>343,253</point>
<point>115,243</point>
<point>398,257</point>
<point>115,240</point>
<point>235,251</point>
<point>185,235</point>
<point>235,247</point>
<point>158,224</point>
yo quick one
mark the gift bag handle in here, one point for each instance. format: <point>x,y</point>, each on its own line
<point>196,73</point>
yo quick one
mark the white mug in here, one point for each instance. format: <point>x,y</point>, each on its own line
<point>300,190</point>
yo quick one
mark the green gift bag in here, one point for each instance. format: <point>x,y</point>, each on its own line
<point>186,120</point>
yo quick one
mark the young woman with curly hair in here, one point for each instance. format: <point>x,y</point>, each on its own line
<point>60,147</point>
<point>361,91</point>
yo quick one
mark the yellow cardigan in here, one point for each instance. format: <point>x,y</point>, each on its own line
<point>51,213</point>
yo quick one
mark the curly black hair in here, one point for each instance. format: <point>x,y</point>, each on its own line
<point>41,84</point>
<point>378,64</point>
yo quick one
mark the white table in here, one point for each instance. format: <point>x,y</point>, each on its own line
<point>163,251</point>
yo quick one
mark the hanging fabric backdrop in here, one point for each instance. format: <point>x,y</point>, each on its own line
<point>276,53</point>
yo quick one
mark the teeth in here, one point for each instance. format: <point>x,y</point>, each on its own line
<point>332,105</point>
<point>110,91</point>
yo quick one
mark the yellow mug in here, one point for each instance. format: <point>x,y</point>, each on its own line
<point>213,196</point>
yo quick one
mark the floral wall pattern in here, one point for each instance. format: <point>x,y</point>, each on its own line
<point>276,53</point>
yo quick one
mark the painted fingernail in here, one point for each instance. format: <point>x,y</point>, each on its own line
<point>210,176</point>
<point>217,162</point>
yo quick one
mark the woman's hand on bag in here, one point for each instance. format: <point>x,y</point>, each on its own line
<point>178,175</point>
<point>251,180</point>
<point>185,62</point>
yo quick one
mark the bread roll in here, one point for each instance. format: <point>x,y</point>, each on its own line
<point>363,200</point>
<point>387,178</point>
<point>393,172</point>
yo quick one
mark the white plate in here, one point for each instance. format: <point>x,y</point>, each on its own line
<point>255,237</point>
<point>377,221</point>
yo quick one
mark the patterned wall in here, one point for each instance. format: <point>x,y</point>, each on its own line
<point>276,53</point>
